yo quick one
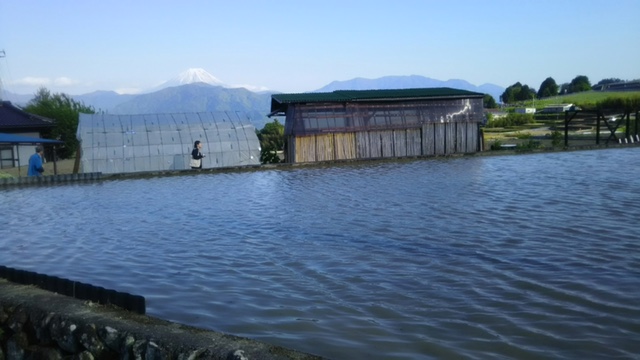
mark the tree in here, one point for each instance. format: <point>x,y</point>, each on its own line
<point>271,141</point>
<point>489,102</point>
<point>608,81</point>
<point>517,92</point>
<point>509,94</point>
<point>601,85</point>
<point>548,88</point>
<point>579,83</point>
<point>526,93</point>
<point>65,112</point>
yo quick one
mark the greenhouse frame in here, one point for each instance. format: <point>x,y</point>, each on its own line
<point>369,124</point>
<point>158,142</point>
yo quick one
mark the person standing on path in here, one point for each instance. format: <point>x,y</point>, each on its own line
<point>196,155</point>
<point>35,162</point>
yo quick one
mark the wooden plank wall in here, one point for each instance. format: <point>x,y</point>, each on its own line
<point>461,138</point>
<point>440,138</point>
<point>387,143</point>
<point>305,150</point>
<point>450,142</point>
<point>428,139</point>
<point>345,145</point>
<point>400,143</point>
<point>375,146</point>
<point>431,139</point>
<point>472,137</point>
<point>291,148</point>
<point>324,147</point>
<point>414,142</point>
<point>363,149</point>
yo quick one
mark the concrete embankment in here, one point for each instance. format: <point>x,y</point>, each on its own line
<point>38,324</point>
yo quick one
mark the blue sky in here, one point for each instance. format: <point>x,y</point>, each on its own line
<point>78,46</point>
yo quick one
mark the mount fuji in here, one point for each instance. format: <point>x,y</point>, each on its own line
<point>199,75</point>
<point>191,76</point>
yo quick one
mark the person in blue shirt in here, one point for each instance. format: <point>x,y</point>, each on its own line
<point>35,162</point>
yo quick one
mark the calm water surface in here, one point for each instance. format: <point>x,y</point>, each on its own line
<point>534,256</point>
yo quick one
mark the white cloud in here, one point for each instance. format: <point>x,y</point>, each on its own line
<point>32,81</point>
<point>254,88</point>
<point>44,81</point>
<point>65,81</point>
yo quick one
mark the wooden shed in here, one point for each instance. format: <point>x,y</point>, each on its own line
<point>369,124</point>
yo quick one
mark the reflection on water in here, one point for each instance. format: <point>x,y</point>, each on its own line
<point>534,256</point>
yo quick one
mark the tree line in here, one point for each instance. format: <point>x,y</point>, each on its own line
<point>549,87</point>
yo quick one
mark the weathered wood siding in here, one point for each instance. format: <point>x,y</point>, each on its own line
<point>414,142</point>
<point>450,142</point>
<point>363,149</point>
<point>324,147</point>
<point>428,139</point>
<point>305,149</point>
<point>400,143</point>
<point>375,145</point>
<point>461,137</point>
<point>431,139</point>
<point>386,137</point>
<point>290,148</point>
<point>440,138</point>
<point>345,145</point>
<point>472,137</point>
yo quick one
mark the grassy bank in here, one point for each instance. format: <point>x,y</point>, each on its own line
<point>585,98</point>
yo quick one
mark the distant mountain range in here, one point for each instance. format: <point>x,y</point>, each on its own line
<point>195,90</point>
<point>409,82</point>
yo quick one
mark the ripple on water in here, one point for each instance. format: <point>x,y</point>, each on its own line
<point>506,257</point>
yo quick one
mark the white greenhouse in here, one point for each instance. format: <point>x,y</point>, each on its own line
<point>155,142</point>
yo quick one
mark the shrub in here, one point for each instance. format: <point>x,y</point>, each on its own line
<point>496,145</point>
<point>271,141</point>
<point>556,138</point>
<point>512,119</point>
<point>528,145</point>
<point>523,136</point>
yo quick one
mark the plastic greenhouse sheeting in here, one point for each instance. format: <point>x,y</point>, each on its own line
<point>152,142</point>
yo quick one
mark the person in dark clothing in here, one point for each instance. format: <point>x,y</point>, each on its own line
<point>196,155</point>
<point>35,162</point>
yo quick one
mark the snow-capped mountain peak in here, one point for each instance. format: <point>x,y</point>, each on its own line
<point>191,76</point>
<point>196,75</point>
<point>199,75</point>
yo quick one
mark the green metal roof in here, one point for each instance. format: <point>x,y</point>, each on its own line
<point>373,95</point>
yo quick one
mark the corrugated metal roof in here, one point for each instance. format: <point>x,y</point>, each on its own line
<point>373,95</point>
<point>12,117</point>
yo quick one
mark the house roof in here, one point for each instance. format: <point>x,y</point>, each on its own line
<point>18,139</point>
<point>12,117</point>
<point>279,102</point>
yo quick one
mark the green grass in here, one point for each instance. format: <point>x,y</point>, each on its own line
<point>584,99</point>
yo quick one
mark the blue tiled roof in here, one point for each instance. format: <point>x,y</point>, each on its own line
<point>12,117</point>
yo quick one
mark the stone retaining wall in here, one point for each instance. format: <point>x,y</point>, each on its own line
<point>38,324</point>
